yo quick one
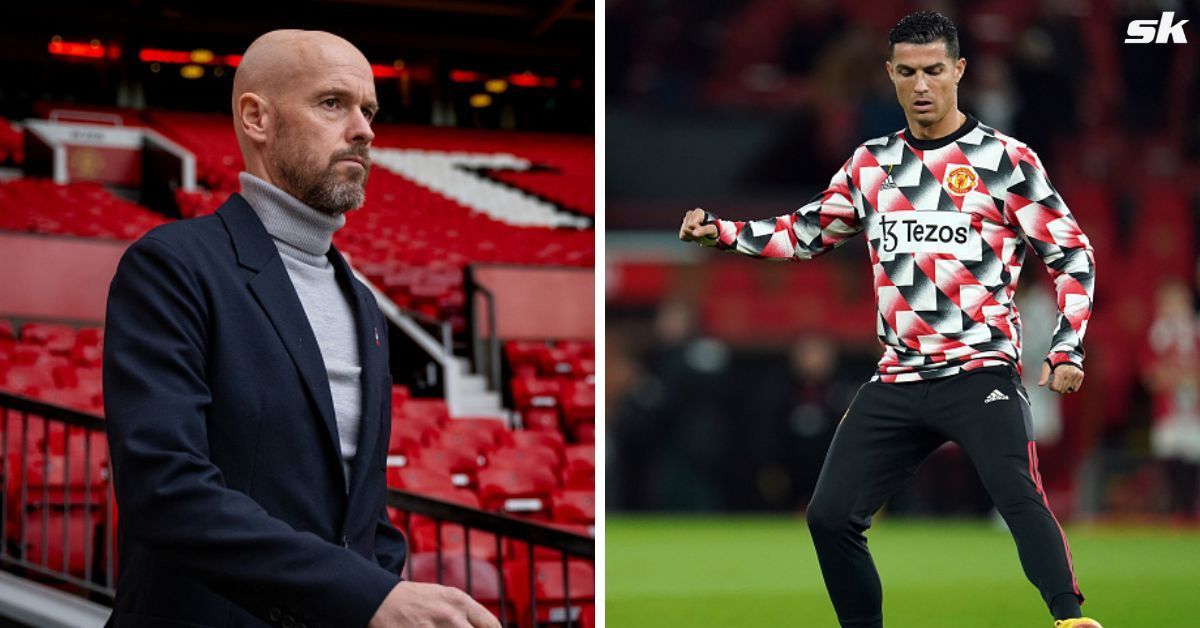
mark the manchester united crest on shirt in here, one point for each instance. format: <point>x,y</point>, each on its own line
<point>960,179</point>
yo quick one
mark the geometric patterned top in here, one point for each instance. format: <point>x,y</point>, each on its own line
<point>946,221</point>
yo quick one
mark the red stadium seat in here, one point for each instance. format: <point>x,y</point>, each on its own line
<point>529,456</point>
<point>584,433</point>
<point>523,492</point>
<point>48,495</point>
<point>549,591</point>
<point>424,538</point>
<point>463,465</point>
<point>30,381</point>
<point>540,419</point>
<point>479,433</point>
<point>477,443</point>
<point>519,550</point>
<point>90,336</point>
<point>418,480</point>
<point>580,469</point>
<point>57,339</point>
<point>534,392</point>
<point>460,496</point>
<point>425,410</point>
<point>575,506</point>
<point>578,399</point>
<point>530,438</point>
<point>409,436</point>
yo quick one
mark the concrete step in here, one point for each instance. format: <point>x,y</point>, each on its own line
<point>473,385</point>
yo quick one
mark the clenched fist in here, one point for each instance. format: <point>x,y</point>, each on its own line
<point>694,228</point>
<point>1064,379</point>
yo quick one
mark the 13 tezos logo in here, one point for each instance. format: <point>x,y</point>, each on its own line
<point>960,179</point>
<point>1158,31</point>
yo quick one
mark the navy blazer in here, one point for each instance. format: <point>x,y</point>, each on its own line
<point>233,510</point>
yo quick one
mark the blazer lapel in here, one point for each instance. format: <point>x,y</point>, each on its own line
<point>272,288</point>
<point>374,371</point>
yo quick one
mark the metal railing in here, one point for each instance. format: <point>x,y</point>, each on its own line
<point>512,608</point>
<point>486,346</point>
<point>58,513</point>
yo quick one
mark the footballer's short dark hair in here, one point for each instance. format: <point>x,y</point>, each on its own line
<point>924,27</point>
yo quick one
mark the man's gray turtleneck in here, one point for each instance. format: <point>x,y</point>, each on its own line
<point>303,236</point>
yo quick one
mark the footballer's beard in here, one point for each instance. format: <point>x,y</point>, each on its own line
<point>324,188</point>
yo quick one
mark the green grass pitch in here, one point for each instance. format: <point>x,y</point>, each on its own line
<point>762,571</point>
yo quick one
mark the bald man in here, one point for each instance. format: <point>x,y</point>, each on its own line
<point>246,381</point>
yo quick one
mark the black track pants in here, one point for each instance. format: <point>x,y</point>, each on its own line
<point>886,434</point>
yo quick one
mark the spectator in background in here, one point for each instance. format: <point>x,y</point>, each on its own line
<point>1039,315</point>
<point>1145,70</point>
<point>822,392</point>
<point>1050,62</point>
<point>994,97</point>
<point>1171,368</point>
<point>669,427</point>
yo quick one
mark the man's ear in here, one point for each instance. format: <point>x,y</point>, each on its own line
<point>887,65</point>
<point>960,68</point>
<point>253,116</point>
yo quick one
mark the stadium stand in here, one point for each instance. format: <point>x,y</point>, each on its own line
<point>77,209</point>
<point>12,143</point>
<point>439,236</point>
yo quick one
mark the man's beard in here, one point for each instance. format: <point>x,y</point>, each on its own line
<point>323,189</point>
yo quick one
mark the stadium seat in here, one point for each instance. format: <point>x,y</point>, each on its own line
<point>534,456</point>
<point>584,433</point>
<point>409,436</point>
<point>578,400</point>
<point>523,492</point>
<point>535,392</point>
<point>540,419</point>
<point>519,550</point>
<point>419,480</point>
<point>580,469</point>
<point>462,465</point>
<point>432,411</point>
<point>30,381</point>
<point>57,494</point>
<point>481,434</point>
<point>453,495</point>
<point>574,506</point>
<point>424,538</point>
<point>535,438</point>
<point>58,339</point>
<point>79,209</point>
<point>549,591</point>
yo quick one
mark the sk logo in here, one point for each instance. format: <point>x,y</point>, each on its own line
<point>1158,31</point>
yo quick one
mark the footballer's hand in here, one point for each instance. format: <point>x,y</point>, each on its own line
<point>1064,379</point>
<point>422,605</point>
<point>694,228</point>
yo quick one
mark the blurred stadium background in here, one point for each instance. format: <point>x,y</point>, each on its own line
<point>477,235</point>
<point>725,376</point>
